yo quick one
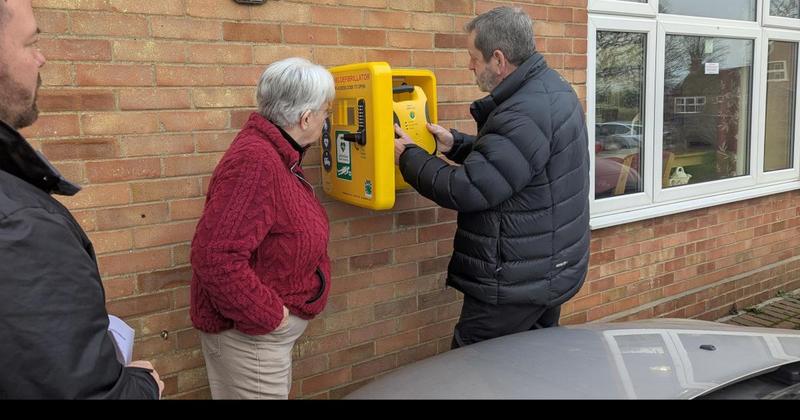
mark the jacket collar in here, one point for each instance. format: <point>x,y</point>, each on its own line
<point>292,141</point>
<point>529,69</point>
<point>290,152</point>
<point>18,158</point>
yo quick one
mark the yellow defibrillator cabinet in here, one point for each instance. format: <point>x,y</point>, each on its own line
<point>358,143</point>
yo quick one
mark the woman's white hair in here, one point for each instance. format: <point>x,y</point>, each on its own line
<point>292,86</point>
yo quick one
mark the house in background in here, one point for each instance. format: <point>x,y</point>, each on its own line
<point>140,100</point>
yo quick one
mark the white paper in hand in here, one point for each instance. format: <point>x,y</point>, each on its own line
<point>122,336</point>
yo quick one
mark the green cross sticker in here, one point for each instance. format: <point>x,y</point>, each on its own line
<point>368,189</point>
<point>344,170</point>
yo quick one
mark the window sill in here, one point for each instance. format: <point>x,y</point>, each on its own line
<point>609,219</point>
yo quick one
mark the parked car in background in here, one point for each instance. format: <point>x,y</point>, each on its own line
<point>653,359</point>
<point>618,135</point>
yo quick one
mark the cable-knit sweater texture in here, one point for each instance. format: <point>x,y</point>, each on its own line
<point>261,242</point>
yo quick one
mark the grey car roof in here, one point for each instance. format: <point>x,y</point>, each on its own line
<point>661,358</point>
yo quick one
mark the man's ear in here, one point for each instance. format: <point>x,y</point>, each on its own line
<point>502,62</point>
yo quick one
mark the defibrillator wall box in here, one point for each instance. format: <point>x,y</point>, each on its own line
<point>358,143</point>
<point>412,115</point>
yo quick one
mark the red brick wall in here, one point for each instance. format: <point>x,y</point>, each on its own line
<point>699,264</point>
<point>140,100</point>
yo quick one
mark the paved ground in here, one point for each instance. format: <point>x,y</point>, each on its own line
<point>781,312</point>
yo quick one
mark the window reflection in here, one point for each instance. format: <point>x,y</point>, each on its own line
<point>649,361</point>
<point>790,345</point>
<point>619,118</point>
<point>652,363</point>
<point>721,9</point>
<point>707,96</point>
<point>781,85</point>
<point>785,8</point>
<point>747,350</point>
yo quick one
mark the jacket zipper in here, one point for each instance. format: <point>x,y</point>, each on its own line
<point>303,180</point>
<point>499,264</point>
<point>318,272</point>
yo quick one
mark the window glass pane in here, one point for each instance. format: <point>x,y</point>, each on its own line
<point>785,8</point>
<point>781,85</point>
<point>722,9</point>
<point>707,96</point>
<point>619,118</point>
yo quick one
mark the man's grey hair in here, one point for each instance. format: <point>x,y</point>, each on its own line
<point>507,29</point>
<point>292,86</point>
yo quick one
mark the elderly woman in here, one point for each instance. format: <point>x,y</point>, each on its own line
<point>259,254</point>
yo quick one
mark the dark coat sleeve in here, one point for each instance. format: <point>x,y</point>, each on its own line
<point>495,169</point>
<point>53,322</point>
<point>462,145</point>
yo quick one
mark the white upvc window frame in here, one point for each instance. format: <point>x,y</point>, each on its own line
<point>702,20</point>
<point>609,15</point>
<point>793,172</point>
<point>741,32</point>
<point>777,21</point>
<point>648,28</point>
<point>627,8</point>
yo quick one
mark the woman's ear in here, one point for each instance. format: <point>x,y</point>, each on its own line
<point>305,119</point>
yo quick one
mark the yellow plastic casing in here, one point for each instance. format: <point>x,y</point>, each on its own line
<point>365,175</point>
<point>362,175</point>
<point>412,115</point>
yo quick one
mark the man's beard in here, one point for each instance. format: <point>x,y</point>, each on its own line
<point>487,81</point>
<point>17,105</point>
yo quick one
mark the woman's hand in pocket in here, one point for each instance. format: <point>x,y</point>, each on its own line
<point>285,320</point>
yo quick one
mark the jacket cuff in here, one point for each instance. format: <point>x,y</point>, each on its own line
<point>404,162</point>
<point>406,149</point>
<point>458,140</point>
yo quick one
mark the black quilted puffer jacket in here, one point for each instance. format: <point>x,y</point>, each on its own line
<point>521,190</point>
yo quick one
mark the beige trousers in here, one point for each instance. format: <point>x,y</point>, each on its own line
<point>242,366</point>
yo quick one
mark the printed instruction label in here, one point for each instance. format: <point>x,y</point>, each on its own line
<point>712,68</point>
<point>344,170</point>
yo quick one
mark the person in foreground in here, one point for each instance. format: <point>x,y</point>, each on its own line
<point>259,255</point>
<point>521,186</point>
<point>54,342</point>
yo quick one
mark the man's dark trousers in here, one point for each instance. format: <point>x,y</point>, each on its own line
<point>481,321</point>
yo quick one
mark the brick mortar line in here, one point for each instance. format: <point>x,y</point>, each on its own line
<point>640,308</point>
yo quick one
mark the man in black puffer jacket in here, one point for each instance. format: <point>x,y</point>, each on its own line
<point>54,342</point>
<point>521,189</point>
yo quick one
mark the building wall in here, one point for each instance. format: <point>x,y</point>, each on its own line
<point>140,100</point>
<point>700,264</point>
